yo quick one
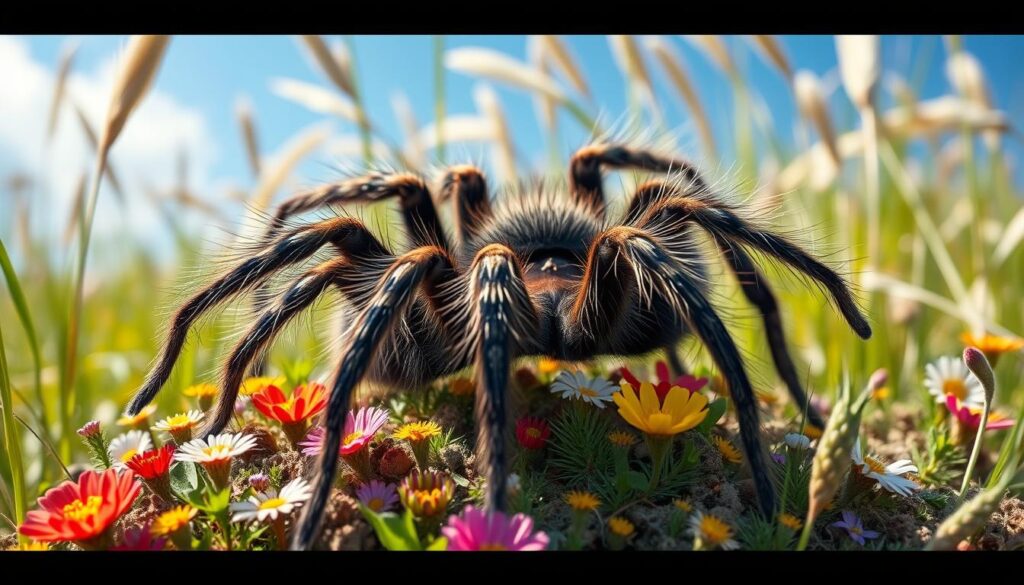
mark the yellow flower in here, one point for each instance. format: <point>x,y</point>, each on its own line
<point>415,432</point>
<point>880,393</point>
<point>622,438</point>
<point>173,520</point>
<point>548,365</point>
<point>812,432</point>
<point>139,420</point>
<point>620,526</point>
<point>253,385</point>
<point>201,391</point>
<point>993,346</point>
<point>711,532</point>
<point>462,387</point>
<point>582,501</point>
<point>729,451</point>
<point>681,411</point>
<point>683,505</point>
<point>32,545</point>
<point>790,521</point>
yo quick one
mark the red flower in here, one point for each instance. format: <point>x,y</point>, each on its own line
<point>665,381</point>
<point>153,463</point>
<point>140,539</point>
<point>83,511</point>
<point>532,432</point>
<point>306,401</point>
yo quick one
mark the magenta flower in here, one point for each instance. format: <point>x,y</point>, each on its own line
<point>140,539</point>
<point>853,526</point>
<point>478,530</point>
<point>90,430</point>
<point>359,430</point>
<point>377,495</point>
<point>971,417</point>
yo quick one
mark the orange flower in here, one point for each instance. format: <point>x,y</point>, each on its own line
<point>82,512</point>
<point>992,346</point>
<point>306,401</point>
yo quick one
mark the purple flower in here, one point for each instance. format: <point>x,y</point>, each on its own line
<point>853,526</point>
<point>259,482</point>
<point>377,495</point>
<point>779,458</point>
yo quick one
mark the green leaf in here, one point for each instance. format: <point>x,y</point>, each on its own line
<point>459,480</point>
<point>439,543</point>
<point>715,412</point>
<point>394,532</point>
<point>184,478</point>
<point>637,480</point>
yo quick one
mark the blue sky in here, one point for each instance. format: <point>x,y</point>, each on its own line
<point>203,76</point>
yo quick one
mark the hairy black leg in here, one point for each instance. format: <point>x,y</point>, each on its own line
<point>502,317</point>
<point>674,361</point>
<point>374,323</point>
<point>346,234</point>
<point>585,178</point>
<point>466,186</point>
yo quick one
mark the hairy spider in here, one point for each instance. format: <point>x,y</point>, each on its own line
<point>536,274</point>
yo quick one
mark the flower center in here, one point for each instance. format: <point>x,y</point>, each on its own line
<point>956,388</point>
<point>128,455</point>
<point>658,422</point>
<point>493,546</point>
<point>79,511</point>
<point>714,530</point>
<point>587,391</point>
<point>179,421</point>
<point>352,437</point>
<point>533,433</point>
<point>875,465</point>
<point>376,504</point>
<point>272,503</point>
<point>217,452</point>
<point>855,529</point>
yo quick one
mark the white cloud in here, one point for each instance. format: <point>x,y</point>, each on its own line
<point>144,155</point>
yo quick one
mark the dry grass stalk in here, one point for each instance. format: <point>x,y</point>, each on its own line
<point>413,149</point>
<point>968,78</point>
<point>243,113</point>
<point>315,98</point>
<point>335,70</point>
<point>859,66</point>
<point>76,209</point>
<point>277,171</point>
<point>67,57</point>
<point>811,102</point>
<point>631,63</point>
<point>457,129</point>
<point>1011,238</point>
<point>672,62</point>
<point>716,51</point>
<point>553,47</point>
<point>900,89</point>
<point>546,107</point>
<point>488,104</point>
<point>499,67</point>
<point>771,50</point>
<point>93,140</point>
<point>142,60</point>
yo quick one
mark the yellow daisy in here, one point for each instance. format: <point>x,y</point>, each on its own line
<point>680,412</point>
<point>621,526</point>
<point>993,346</point>
<point>418,431</point>
<point>729,451</point>
<point>622,438</point>
<point>139,420</point>
<point>711,532</point>
<point>582,501</point>
<point>173,520</point>
<point>683,505</point>
<point>790,521</point>
<point>548,365</point>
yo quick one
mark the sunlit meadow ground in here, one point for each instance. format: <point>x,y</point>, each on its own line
<point>588,471</point>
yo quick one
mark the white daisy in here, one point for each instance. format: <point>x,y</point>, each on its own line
<point>128,445</point>
<point>797,441</point>
<point>266,506</point>
<point>578,385</point>
<point>888,476</point>
<point>950,376</point>
<point>180,426</point>
<point>222,447</point>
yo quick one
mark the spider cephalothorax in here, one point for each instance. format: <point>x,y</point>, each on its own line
<point>539,273</point>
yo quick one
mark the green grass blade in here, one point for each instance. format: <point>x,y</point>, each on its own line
<point>12,448</point>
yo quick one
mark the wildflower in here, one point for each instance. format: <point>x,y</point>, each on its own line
<point>548,366</point>
<point>418,435</point>
<point>273,506</point>
<point>90,430</point>
<point>710,532</point>
<point>683,505</point>
<point>377,495</point>
<point>797,441</point>
<point>153,468</point>
<point>30,546</point>
<point>359,430</point>
<point>127,445</point>
<point>622,438</point>
<point>621,526</point>
<point>888,476</point>
<point>971,417</point>
<point>532,433</point>
<point>216,453</point>
<point>253,385</point>
<point>665,380</point>
<point>138,421</point>
<point>180,426</point>
<point>140,539</point>
<point>204,392</point>
<point>812,432</point>
<point>992,346</point>
<point>462,387</point>
<point>779,458</point>
<point>854,528</point>
<point>880,393</point>
<point>728,451</point>
<point>790,521</point>
<point>82,512</point>
<point>292,412</point>
<point>176,525</point>
<point>259,482</point>
<point>480,530</point>
<point>949,376</point>
<point>395,462</point>
<point>579,386</point>
<point>582,501</point>
<point>425,494</point>
<point>92,436</point>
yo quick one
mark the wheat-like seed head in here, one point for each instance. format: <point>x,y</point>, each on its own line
<point>413,149</point>
<point>631,63</point>
<point>464,128</point>
<point>243,112</point>
<point>771,49</point>
<point>337,70</point>
<point>76,210</point>
<point>859,66</point>
<point>672,62</point>
<point>546,107</point>
<point>141,62</point>
<point>490,107</point>
<point>275,172</point>
<point>562,58</point>
<point>811,102</point>
<point>499,67</point>
<point>315,98</point>
<point>968,519</point>
<point>67,57</point>
<point>715,50</point>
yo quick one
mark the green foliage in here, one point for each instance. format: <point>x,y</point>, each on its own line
<point>716,410</point>
<point>942,462</point>
<point>398,532</point>
<point>792,479</point>
<point>580,453</point>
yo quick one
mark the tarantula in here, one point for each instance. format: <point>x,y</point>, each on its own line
<point>535,274</point>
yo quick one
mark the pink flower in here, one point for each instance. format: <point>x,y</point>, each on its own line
<point>140,539</point>
<point>665,381</point>
<point>377,495</point>
<point>91,429</point>
<point>359,430</point>
<point>478,530</point>
<point>971,417</point>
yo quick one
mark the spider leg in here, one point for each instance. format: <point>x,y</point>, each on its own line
<point>466,186</point>
<point>383,312</point>
<point>502,318</point>
<point>626,263</point>
<point>348,235</point>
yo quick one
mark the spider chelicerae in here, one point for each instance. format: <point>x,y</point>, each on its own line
<point>536,273</point>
